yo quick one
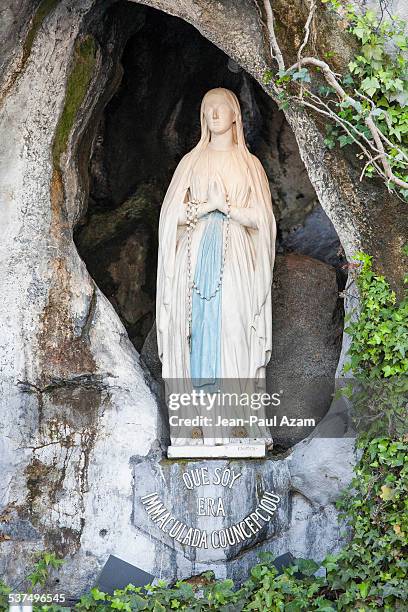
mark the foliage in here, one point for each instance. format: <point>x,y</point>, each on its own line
<point>43,562</point>
<point>378,356</point>
<point>374,566</point>
<point>380,335</point>
<point>379,71</point>
<point>264,590</point>
<point>373,569</point>
<point>4,591</point>
<point>377,79</point>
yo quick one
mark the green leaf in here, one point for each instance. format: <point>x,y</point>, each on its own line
<point>370,85</point>
<point>364,588</point>
<point>302,75</point>
<point>344,140</point>
<point>307,566</point>
<point>387,493</point>
<point>267,76</point>
<point>98,595</point>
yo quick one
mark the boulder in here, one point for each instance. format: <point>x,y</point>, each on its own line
<point>306,341</point>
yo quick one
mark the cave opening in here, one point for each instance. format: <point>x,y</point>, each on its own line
<point>149,123</point>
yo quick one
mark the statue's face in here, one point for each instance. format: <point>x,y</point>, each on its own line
<point>218,114</point>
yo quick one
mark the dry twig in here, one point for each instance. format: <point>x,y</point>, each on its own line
<point>275,49</point>
<point>306,38</point>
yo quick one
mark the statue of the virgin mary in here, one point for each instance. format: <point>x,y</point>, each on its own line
<point>216,255</point>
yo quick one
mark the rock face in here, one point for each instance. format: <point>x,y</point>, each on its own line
<point>119,247</point>
<point>78,420</point>
<point>315,237</point>
<point>307,329</point>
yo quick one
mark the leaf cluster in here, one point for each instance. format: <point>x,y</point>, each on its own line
<point>376,80</point>
<point>379,347</point>
<point>379,75</point>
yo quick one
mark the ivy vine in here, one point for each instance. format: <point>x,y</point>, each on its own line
<point>380,72</point>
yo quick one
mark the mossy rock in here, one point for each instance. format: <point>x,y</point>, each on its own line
<point>77,88</point>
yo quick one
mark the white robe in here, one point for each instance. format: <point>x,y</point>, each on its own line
<point>238,274</point>
<point>246,315</point>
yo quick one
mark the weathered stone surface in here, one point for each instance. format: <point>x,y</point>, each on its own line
<point>120,250</point>
<point>239,501</point>
<point>68,367</point>
<point>315,470</point>
<point>15,20</point>
<point>316,238</point>
<point>75,408</point>
<point>394,7</point>
<point>305,522</point>
<point>307,330</point>
<point>149,354</point>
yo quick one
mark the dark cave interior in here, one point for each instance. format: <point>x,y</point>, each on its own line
<point>150,122</point>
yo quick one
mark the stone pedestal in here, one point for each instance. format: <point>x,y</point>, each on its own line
<point>213,511</point>
<point>220,513</point>
<point>221,451</point>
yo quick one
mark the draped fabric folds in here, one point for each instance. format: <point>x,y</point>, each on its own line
<point>245,299</point>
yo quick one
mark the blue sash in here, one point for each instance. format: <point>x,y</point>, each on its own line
<point>205,357</point>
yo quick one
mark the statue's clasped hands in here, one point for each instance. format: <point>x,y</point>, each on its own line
<point>217,197</point>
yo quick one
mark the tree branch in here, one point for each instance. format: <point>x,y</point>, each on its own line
<point>374,150</point>
<point>306,38</point>
<point>275,49</point>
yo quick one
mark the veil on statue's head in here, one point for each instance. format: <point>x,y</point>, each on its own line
<point>237,128</point>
